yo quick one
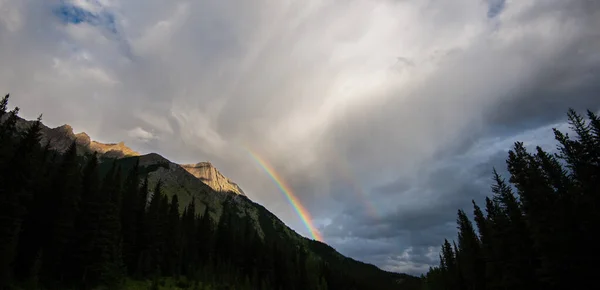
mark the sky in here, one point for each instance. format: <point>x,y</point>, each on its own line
<point>384,117</point>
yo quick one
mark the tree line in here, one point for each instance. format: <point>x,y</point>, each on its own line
<point>538,228</point>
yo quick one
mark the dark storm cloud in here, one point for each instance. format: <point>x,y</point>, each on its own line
<point>419,226</point>
<point>571,81</point>
<point>433,201</point>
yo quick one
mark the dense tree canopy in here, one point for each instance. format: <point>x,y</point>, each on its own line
<point>537,232</point>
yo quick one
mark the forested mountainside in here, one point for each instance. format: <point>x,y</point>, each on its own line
<point>81,216</point>
<point>538,228</point>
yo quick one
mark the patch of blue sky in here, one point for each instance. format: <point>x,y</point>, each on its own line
<point>495,7</point>
<point>69,13</point>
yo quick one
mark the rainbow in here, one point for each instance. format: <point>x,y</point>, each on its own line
<point>287,191</point>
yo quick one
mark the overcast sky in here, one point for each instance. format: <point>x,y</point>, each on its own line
<point>384,116</point>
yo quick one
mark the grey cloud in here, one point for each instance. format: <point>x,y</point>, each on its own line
<point>413,260</point>
<point>426,208</point>
<point>423,211</point>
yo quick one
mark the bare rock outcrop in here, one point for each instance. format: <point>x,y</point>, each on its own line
<point>206,172</point>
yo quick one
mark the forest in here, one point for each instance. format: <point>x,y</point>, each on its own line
<point>73,221</point>
<point>537,228</point>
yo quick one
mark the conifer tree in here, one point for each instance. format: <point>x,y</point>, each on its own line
<point>16,188</point>
<point>130,212</point>
<point>113,268</point>
<point>3,105</point>
<point>155,232</point>
<point>594,127</point>
<point>450,270</point>
<point>65,207</point>
<point>8,128</point>
<point>33,231</point>
<point>173,239</point>
<point>85,258</point>
<point>538,201</point>
<point>142,234</point>
<point>577,214</point>
<point>469,253</point>
<point>189,232</point>
<point>205,236</point>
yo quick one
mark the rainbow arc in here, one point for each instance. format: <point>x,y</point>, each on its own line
<point>289,194</point>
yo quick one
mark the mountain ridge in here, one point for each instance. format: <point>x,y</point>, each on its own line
<point>60,139</point>
<point>175,179</point>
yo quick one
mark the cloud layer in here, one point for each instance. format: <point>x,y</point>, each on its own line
<point>384,116</point>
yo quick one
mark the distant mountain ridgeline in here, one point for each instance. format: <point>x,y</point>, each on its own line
<point>60,138</point>
<point>78,214</point>
<point>538,228</point>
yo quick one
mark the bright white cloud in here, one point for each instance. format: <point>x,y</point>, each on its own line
<point>141,134</point>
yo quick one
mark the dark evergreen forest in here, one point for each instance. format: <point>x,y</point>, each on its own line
<point>537,229</point>
<point>72,221</point>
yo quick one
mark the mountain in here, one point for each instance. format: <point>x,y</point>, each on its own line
<point>61,137</point>
<point>234,217</point>
<point>206,172</point>
<point>200,182</point>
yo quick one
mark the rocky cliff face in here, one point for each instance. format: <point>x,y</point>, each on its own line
<point>113,150</point>
<point>206,172</point>
<point>62,137</point>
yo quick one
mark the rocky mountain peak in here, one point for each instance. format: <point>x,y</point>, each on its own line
<point>66,128</point>
<point>153,158</point>
<point>113,150</point>
<point>83,139</point>
<point>206,172</point>
<point>204,164</point>
<point>62,137</point>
